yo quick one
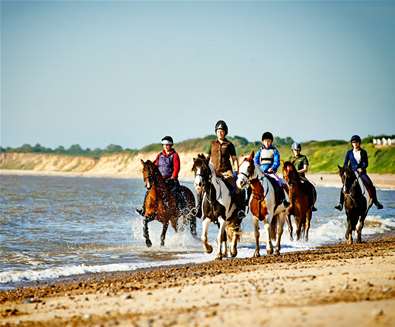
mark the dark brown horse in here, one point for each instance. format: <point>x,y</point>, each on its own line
<point>355,203</point>
<point>161,204</point>
<point>302,197</point>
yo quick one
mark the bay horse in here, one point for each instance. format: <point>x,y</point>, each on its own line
<point>263,204</point>
<point>356,204</point>
<point>216,207</point>
<point>161,204</point>
<point>302,198</point>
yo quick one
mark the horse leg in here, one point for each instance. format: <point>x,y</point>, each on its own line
<point>220,237</point>
<point>163,235</point>
<point>348,235</point>
<point>146,233</point>
<point>307,224</point>
<point>233,247</point>
<point>298,227</point>
<point>225,243</point>
<point>192,225</point>
<point>207,247</point>
<point>256,233</point>
<point>359,229</point>
<point>290,227</point>
<point>269,245</point>
<point>280,226</point>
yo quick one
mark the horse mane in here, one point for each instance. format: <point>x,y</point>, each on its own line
<point>293,175</point>
<point>154,170</point>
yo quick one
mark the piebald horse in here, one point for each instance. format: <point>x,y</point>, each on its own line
<point>262,205</point>
<point>217,207</point>
<point>160,203</point>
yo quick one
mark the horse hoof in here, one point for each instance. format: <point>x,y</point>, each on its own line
<point>162,243</point>
<point>148,243</point>
<point>218,257</point>
<point>277,253</point>
<point>256,254</point>
<point>233,254</point>
<point>270,251</point>
<point>209,249</point>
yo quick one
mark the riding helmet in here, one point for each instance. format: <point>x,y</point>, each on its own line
<point>296,146</point>
<point>167,140</point>
<point>221,125</point>
<point>267,136</point>
<point>355,138</point>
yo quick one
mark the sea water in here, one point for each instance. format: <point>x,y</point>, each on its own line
<point>54,227</point>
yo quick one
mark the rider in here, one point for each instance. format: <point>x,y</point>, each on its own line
<point>267,159</point>
<point>168,163</point>
<point>301,164</point>
<point>220,154</point>
<point>357,159</point>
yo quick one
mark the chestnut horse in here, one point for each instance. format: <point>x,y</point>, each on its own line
<point>356,204</point>
<point>216,207</point>
<point>262,204</point>
<point>302,198</point>
<point>160,203</point>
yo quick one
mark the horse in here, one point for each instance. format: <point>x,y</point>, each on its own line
<point>161,203</point>
<point>302,198</point>
<point>216,207</point>
<point>357,202</point>
<point>263,204</point>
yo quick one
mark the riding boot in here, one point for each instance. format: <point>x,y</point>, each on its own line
<point>341,201</point>
<point>374,198</point>
<point>141,211</point>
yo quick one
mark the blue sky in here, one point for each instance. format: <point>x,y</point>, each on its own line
<point>128,73</point>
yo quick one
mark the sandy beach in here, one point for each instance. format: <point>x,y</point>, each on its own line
<point>337,284</point>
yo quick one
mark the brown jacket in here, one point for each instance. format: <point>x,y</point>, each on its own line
<point>220,155</point>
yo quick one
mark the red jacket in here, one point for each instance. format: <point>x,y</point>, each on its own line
<point>176,162</point>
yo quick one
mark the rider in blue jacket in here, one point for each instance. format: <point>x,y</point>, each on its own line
<point>267,159</point>
<point>357,159</point>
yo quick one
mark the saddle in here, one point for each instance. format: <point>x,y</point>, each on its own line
<point>278,190</point>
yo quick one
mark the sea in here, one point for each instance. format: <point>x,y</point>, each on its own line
<point>55,227</point>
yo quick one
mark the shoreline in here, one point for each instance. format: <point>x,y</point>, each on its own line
<point>381,181</point>
<point>356,281</point>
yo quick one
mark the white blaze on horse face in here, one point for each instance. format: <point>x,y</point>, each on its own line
<point>242,180</point>
<point>147,184</point>
<point>198,182</point>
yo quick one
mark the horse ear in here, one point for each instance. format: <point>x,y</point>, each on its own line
<point>142,161</point>
<point>340,168</point>
<point>252,154</point>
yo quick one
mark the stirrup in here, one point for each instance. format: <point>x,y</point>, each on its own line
<point>313,208</point>
<point>339,207</point>
<point>241,214</point>
<point>140,211</point>
<point>379,205</point>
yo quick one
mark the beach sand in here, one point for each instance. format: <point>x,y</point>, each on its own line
<point>338,285</point>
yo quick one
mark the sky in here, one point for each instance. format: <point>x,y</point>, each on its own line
<point>98,72</point>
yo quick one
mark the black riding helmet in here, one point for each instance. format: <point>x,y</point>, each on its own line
<point>267,136</point>
<point>221,125</point>
<point>167,140</point>
<point>355,138</point>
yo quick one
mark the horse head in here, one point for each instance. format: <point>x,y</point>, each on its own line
<point>202,172</point>
<point>290,173</point>
<point>151,173</point>
<point>348,178</point>
<point>246,171</point>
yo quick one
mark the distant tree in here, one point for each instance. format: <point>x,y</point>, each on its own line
<point>75,149</point>
<point>25,148</point>
<point>38,148</point>
<point>114,148</point>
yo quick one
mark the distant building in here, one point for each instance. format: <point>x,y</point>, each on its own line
<point>383,141</point>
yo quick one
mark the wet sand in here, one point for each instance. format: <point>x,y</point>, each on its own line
<point>339,285</point>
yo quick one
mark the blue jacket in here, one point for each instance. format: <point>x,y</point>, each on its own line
<point>350,160</point>
<point>266,162</point>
